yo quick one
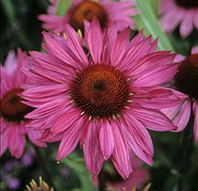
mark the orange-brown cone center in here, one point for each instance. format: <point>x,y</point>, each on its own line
<point>100,91</point>
<point>12,109</point>
<point>186,79</point>
<point>86,11</point>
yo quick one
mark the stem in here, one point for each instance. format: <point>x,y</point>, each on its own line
<point>186,142</point>
<point>44,168</point>
<point>102,181</point>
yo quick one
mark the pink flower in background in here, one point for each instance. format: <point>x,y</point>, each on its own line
<point>108,12</point>
<point>106,100</point>
<point>137,178</point>
<point>175,12</point>
<point>186,80</point>
<point>12,109</point>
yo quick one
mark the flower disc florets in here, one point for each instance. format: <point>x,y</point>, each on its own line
<point>86,11</point>
<point>187,3</point>
<point>12,109</point>
<point>186,80</point>
<point>100,91</point>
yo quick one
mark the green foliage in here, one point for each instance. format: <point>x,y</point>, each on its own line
<point>147,19</point>
<point>79,167</point>
<point>62,7</point>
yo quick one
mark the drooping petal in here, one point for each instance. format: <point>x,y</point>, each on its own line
<point>91,148</point>
<point>71,139</point>
<point>182,117</point>
<point>152,119</point>
<point>106,139</point>
<point>186,25</point>
<point>16,141</point>
<point>139,132</point>
<point>35,135</point>
<point>10,62</point>
<point>4,141</point>
<point>157,97</point>
<point>120,157</point>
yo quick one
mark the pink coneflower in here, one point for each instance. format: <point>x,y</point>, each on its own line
<point>175,12</point>
<point>105,99</point>
<point>186,80</point>
<point>108,12</point>
<point>12,109</point>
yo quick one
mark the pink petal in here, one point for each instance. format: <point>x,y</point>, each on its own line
<point>179,58</point>
<point>134,142</point>
<point>186,25</point>
<point>119,47</point>
<point>106,139</point>
<point>34,136</point>
<point>10,62</point>
<point>109,39</point>
<point>47,109</point>
<point>139,133</point>
<point>71,139</point>
<point>58,51</point>
<point>157,97</point>
<point>49,136</point>
<point>170,20</point>
<point>152,119</point>
<point>3,141</point>
<point>65,120</point>
<point>182,117</point>
<point>75,45</point>
<point>16,141</point>
<point>158,75</point>
<point>95,44</point>
<point>50,62</point>
<point>91,148</point>
<point>194,50</point>
<point>120,157</point>
<point>136,52</point>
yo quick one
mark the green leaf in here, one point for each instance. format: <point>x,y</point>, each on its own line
<point>148,19</point>
<point>79,167</point>
<point>62,7</point>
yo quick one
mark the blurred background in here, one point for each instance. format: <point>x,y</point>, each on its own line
<point>21,28</point>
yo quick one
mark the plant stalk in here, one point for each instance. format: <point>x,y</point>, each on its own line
<point>43,166</point>
<point>186,142</point>
<point>102,181</point>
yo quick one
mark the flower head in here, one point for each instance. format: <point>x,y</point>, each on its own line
<point>12,109</point>
<point>105,99</point>
<point>183,12</point>
<point>107,11</point>
<point>185,81</point>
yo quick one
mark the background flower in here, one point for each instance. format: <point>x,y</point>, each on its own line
<point>175,12</point>
<point>186,81</point>
<point>108,12</point>
<point>12,109</point>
